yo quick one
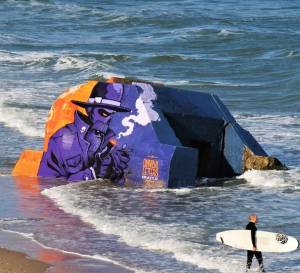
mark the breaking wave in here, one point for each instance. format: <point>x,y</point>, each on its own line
<point>72,62</point>
<point>26,58</point>
<point>136,232</point>
<point>29,122</point>
<point>40,61</point>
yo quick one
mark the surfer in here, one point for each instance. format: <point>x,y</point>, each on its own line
<point>253,219</point>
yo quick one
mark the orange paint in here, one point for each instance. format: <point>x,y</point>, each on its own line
<point>150,169</point>
<point>113,141</point>
<point>60,114</point>
<point>28,163</point>
<point>62,110</point>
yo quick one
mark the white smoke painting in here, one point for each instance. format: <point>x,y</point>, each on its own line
<point>145,113</point>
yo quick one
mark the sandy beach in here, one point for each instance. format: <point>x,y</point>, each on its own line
<point>20,251</point>
<point>17,262</point>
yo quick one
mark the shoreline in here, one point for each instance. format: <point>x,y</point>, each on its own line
<point>21,198</point>
<point>18,262</point>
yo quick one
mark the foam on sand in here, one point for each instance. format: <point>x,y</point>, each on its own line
<point>30,236</point>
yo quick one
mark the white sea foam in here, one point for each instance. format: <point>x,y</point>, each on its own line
<point>180,191</point>
<point>107,75</point>
<point>29,2</point>
<point>23,234</point>
<point>120,18</point>
<point>265,178</point>
<point>273,178</point>
<point>174,83</point>
<point>226,32</point>
<point>74,62</point>
<point>293,54</point>
<point>278,134</point>
<point>137,232</point>
<point>58,62</point>
<point>12,221</point>
<point>25,58</point>
<point>23,120</point>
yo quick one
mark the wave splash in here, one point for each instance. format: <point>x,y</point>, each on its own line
<point>272,179</point>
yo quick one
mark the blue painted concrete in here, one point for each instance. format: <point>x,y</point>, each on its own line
<point>169,137</point>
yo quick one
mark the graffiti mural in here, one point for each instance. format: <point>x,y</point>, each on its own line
<point>102,130</point>
<point>86,149</point>
<point>143,134</point>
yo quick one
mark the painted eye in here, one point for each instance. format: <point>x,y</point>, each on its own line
<point>103,113</point>
<point>98,134</point>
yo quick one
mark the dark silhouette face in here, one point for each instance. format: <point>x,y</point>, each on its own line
<point>99,114</point>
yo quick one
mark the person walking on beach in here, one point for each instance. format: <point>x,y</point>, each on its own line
<point>253,219</point>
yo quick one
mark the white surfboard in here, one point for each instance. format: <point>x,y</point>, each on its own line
<point>265,241</point>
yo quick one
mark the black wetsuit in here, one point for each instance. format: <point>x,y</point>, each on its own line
<point>251,226</point>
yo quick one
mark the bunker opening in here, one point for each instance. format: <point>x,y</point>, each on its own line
<point>207,136</point>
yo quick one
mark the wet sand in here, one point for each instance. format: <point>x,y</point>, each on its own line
<point>21,206</point>
<point>17,262</point>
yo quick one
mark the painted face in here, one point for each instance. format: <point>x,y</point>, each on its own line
<point>100,114</point>
<point>95,136</point>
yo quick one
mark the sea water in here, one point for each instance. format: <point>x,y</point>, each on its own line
<point>248,53</point>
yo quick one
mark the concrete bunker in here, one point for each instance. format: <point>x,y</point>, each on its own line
<point>143,134</point>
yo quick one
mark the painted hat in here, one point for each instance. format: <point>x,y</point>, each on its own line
<point>107,95</point>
